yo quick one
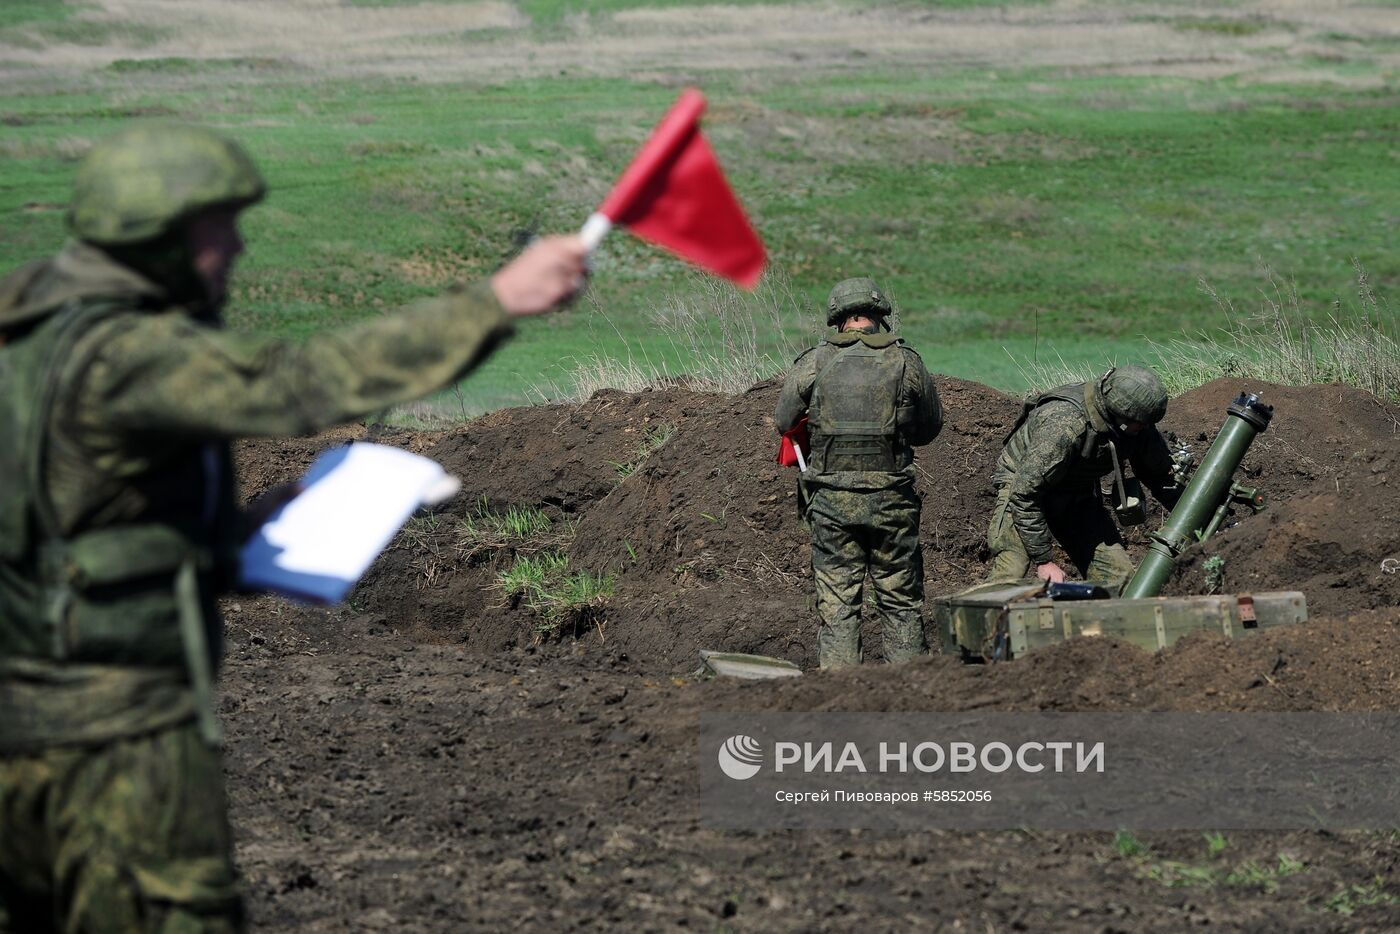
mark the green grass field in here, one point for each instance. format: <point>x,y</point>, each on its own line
<point>1016,214</point>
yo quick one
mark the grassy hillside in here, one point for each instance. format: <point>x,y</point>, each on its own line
<point>1014,213</point>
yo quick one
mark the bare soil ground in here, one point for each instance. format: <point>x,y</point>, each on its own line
<point>424,760</point>
<point>1264,41</point>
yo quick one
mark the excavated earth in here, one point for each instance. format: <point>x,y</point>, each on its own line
<point>433,756</point>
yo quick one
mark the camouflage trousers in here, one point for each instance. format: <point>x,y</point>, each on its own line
<point>1080,524</point>
<point>860,533</point>
<point>131,835</point>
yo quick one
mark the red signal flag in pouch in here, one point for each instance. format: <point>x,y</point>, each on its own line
<point>794,447</point>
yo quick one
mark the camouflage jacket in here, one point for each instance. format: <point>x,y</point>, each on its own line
<point>142,410</point>
<point>1062,449</point>
<point>918,416</point>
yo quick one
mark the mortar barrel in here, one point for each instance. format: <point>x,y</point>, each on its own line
<point>1209,486</point>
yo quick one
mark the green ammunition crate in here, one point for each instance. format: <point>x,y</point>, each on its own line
<point>1003,621</point>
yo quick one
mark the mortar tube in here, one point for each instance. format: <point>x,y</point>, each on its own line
<point>1245,418</point>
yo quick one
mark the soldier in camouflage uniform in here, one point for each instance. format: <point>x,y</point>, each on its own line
<point>119,393</point>
<point>1049,473</point>
<point>869,401</point>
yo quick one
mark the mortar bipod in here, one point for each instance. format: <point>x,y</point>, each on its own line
<point>1248,496</point>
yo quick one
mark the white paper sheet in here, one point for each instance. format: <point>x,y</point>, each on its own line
<point>355,499</point>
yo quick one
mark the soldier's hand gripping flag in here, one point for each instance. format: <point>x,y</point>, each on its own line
<point>674,194</point>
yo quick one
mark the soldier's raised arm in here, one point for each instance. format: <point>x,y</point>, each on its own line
<point>161,208</point>
<point>171,374</point>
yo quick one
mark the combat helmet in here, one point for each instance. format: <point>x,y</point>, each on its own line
<point>1133,394</point>
<point>853,297</point>
<point>140,183</point>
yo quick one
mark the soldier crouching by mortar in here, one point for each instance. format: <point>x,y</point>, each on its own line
<point>1047,478</point>
<point>869,401</point>
<point>119,393</point>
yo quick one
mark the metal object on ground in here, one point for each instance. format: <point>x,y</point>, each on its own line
<point>1004,620</point>
<point>1076,590</point>
<point>747,667</point>
<point>1208,497</point>
<point>1128,506</point>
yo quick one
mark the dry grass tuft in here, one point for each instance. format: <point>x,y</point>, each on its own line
<point>726,340</point>
<point>1357,344</point>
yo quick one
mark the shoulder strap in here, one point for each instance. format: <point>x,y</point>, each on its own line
<point>70,323</point>
<point>1070,393</point>
<point>52,548</point>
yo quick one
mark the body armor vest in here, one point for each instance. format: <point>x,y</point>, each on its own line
<point>132,592</point>
<point>854,408</point>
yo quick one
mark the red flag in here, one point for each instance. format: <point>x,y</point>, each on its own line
<point>794,446</point>
<point>674,194</point>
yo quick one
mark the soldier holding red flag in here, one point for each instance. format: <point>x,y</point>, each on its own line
<point>119,394</point>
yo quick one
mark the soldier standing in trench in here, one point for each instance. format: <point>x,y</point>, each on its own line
<point>119,393</point>
<point>869,401</point>
<point>1047,477</point>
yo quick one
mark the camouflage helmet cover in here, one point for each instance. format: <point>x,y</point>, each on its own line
<point>855,296</point>
<point>138,184</point>
<point>1134,394</point>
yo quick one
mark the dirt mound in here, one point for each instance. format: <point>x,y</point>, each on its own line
<point>1317,431</point>
<point>675,494</point>
<point>1325,464</point>
<point>563,457</point>
<point>709,548</point>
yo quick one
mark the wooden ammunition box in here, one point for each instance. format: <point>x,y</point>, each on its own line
<point>1004,621</point>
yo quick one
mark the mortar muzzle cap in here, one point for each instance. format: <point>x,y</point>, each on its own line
<point>1251,408</point>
